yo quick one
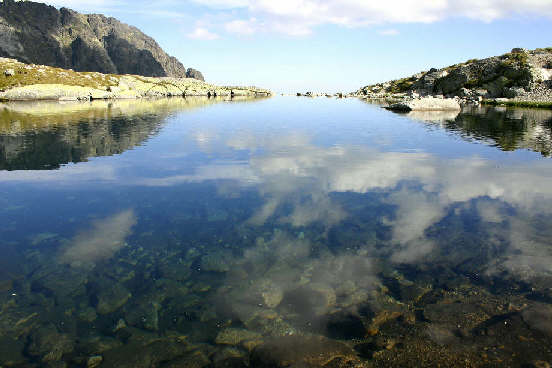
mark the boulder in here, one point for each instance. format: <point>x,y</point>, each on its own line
<point>9,72</point>
<point>426,104</point>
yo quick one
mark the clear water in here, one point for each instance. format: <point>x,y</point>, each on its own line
<point>271,233</point>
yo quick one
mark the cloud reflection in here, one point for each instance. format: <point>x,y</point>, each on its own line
<point>101,241</point>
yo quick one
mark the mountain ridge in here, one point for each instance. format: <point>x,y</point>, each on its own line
<point>83,42</point>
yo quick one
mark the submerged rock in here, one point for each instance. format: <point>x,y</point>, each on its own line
<point>426,104</point>
<point>144,316</point>
<point>539,317</point>
<point>235,336</point>
<point>11,352</point>
<point>111,299</point>
<point>138,355</point>
<point>48,344</point>
<point>303,351</point>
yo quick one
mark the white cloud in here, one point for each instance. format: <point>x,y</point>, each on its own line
<point>299,17</point>
<point>201,33</point>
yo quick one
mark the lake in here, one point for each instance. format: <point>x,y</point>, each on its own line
<point>272,233</point>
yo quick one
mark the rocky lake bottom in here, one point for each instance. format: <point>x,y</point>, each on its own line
<point>281,232</point>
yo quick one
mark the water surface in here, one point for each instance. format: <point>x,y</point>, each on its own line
<point>276,232</point>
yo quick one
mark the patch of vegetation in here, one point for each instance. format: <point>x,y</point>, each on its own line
<point>25,75</point>
<point>474,82</point>
<point>516,58</point>
<point>402,85</point>
<point>513,103</point>
<point>546,49</point>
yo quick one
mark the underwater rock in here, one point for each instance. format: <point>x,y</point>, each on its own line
<point>195,359</point>
<point>267,291</point>
<point>48,344</point>
<point>11,352</point>
<point>229,358</point>
<point>144,316</point>
<point>442,335</point>
<point>458,315</point>
<point>235,336</point>
<point>113,298</point>
<point>94,361</point>
<point>539,317</point>
<point>87,314</point>
<point>96,345</point>
<point>62,282</point>
<point>312,351</point>
<point>219,261</point>
<point>312,299</point>
<point>138,355</point>
<point>343,325</point>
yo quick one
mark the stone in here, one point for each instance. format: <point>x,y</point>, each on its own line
<point>217,261</point>
<point>426,104</point>
<point>539,317</point>
<point>48,344</point>
<point>9,72</point>
<point>112,298</point>
<point>235,336</point>
<point>11,352</point>
<point>94,361</point>
<point>308,300</point>
<point>136,354</point>
<point>144,316</point>
<point>195,359</point>
<point>299,351</point>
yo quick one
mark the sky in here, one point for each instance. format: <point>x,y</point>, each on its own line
<point>328,45</point>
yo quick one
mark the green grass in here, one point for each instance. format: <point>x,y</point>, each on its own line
<point>533,104</point>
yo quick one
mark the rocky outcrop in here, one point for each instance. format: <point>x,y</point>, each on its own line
<point>41,34</point>
<point>520,75</point>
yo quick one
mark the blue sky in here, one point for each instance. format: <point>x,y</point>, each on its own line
<point>328,45</point>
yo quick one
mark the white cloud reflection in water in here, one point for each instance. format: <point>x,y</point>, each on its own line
<point>284,172</point>
<point>101,241</point>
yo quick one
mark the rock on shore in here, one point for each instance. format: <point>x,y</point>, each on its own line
<point>38,82</point>
<point>426,104</point>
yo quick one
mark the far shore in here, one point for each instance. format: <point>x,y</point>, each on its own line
<point>29,82</point>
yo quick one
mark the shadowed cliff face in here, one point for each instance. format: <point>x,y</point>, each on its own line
<point>71,40</point>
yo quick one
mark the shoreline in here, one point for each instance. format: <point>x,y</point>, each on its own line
<point>30,82</point>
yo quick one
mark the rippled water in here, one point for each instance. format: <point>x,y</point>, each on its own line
<point>273,233</point>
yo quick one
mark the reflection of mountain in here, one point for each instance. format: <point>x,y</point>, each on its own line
<point>508,129</point>
<point>45,135</point>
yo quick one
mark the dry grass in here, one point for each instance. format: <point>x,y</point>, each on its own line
<point>28,74</point>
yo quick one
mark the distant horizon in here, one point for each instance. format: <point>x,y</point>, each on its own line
<point>328,46</point>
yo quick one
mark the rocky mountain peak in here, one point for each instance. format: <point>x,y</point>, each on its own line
<point>37,33</point>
